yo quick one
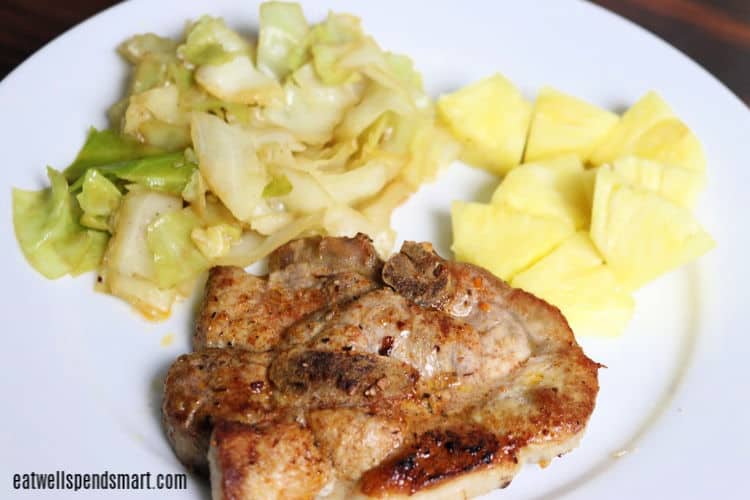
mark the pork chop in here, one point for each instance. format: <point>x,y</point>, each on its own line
<point>250,312</point>
<point>439,385</point>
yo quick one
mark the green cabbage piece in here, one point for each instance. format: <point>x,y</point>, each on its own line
<point>151,72</point>
<point>168,172</point>
<point>103,147</point>
<point>336,29</point>
<point>283,31</point>
<point>99,198</point>
<point>210,41</point>
<point>167,136</point>
<point>278,186</point>
<point>176,258</point>
<point>47,229</point>
<point>136,48</point>
<point>119,157</point>
<point>332,40</point>
<point>402,67</point>
<point>180,75</point>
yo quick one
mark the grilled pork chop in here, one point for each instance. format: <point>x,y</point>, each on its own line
<point>440,384</point>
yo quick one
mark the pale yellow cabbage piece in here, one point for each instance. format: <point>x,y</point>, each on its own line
<point>311,109</point>
<point>216,241</point>
<point>229,164</point>
<point>239,81</point>
<point>128,270</point>
<point>361,182</point>
<point>252,247</point>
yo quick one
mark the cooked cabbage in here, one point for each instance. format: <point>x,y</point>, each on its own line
<point>221,153</point>
<point>283,29</point>
<point>210,41</point>
<point>176,257</point>
<point>229,163</point>
<point>238,81</point>
<point>47,229</point>
<point>99,199</point>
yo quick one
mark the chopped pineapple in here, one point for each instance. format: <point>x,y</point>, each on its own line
<point>491,119</point>
<point>641,234</point>
<point>555,188</point>
<point>588,178</point>
<point>648,111</point>
<point>670,141</point>
<point>501,239</point>
<point>574,278</point>
<point>563,124</point>
<point>649,129</point>
<point>676,184</point>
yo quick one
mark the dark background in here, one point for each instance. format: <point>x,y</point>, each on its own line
<point>716,33</point>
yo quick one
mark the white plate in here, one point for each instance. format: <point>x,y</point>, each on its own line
<point>81,377</point>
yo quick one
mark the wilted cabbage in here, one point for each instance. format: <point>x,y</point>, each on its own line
<point>222,151</point>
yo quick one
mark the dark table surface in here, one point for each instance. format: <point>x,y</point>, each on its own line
<point>716,33</point>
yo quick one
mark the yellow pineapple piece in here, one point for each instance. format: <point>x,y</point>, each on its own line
<point>676,184</point>
<point>640,234</point>
<point>501,239</point>
<point>670,141</point>
<point>575,279</point>
<point>649,129</point>
<point>589,179</point>
<point>647,112</point>
<point>563,124</point>
<point>490,118</point>
<point>554,188</point>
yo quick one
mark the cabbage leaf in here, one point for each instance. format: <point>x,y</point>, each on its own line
<point>176,258</point>
<point>103,147</point>
<point>48,232</point>
<point>98,199</point>
<point>283,31</point>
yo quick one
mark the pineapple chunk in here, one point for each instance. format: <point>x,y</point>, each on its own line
<point>676,184</point>
<point>648,111</point>
<point>641,234</point>
<point>491,119</point>
<point>563,124</point>
<point>671,142</point>
<point>554,188</point>
<point>588,178</point>
<point>650,129</point>
<point>503,240</point>
<point>574,278</point>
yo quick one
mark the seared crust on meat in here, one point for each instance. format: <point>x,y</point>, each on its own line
<point>330,379</point>
<point>209,386</point>
<point>545,403</point>
<point>246,311</point>
<point>437,455</point>
<point>441,384</point>
<point>250,312</point>
<point>275,460</point>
